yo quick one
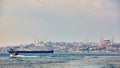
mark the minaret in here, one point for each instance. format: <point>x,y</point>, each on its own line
<point>38,41</point>
<point>86,40</point>
<point>101,39</point>
<point>46,40</point>
<point>34,40</point>
<point>112,40</point>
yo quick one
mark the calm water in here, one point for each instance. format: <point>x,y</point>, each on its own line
<point>60,61</point>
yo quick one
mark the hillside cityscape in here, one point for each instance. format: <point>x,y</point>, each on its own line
<point>65,47</point>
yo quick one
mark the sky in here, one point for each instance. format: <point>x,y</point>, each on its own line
<point>22,21</point>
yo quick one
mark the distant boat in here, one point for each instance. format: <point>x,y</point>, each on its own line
<point>21,56</point>
<point>12,51</point>
<point>39,44</point>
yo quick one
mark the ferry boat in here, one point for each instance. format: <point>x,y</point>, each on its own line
<point>39,47</point>
<point>12,51</point>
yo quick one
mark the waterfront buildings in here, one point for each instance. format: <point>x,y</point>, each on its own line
<point>77,47</point>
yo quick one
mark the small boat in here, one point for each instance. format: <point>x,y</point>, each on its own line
<point>18,56</point>
<point>15,55</point>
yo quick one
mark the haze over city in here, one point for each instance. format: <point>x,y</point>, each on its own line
<point>22,21</point>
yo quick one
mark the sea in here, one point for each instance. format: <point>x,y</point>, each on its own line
<point>59,60</point>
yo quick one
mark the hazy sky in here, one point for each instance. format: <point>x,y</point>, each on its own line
<point>58,20</point>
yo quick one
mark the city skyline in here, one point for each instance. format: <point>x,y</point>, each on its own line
<point>21,21</point>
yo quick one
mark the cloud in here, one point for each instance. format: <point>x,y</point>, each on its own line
<point>66,8</point>
<point>68,4</point>
<point>13,26</point>
<point>1,2</point>
<point>69,8</point>
<point>14,30</point>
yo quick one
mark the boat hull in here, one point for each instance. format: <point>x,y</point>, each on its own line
<point>31,51</point>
